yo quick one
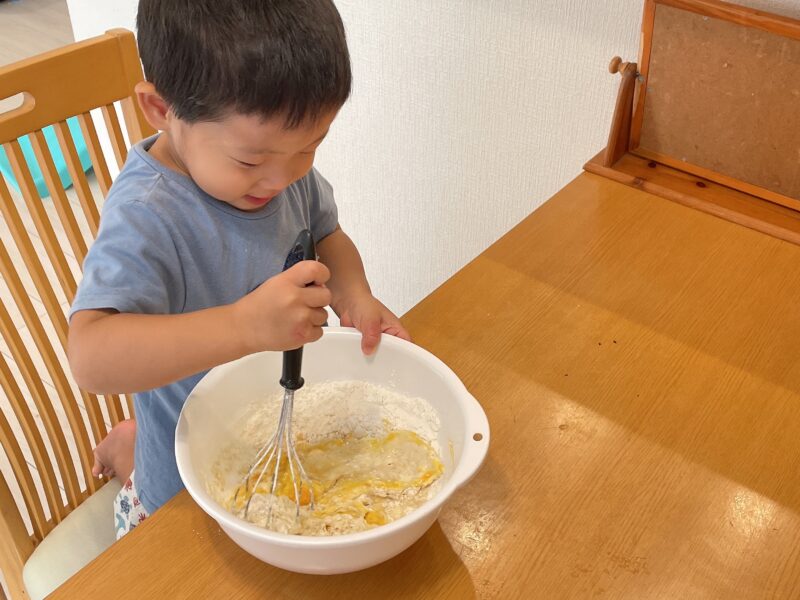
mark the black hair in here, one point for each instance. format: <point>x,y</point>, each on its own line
<point>269,58</point>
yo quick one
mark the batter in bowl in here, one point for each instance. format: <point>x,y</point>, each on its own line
<point>370,453</point>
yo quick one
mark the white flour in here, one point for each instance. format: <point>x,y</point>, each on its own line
<point>338,408</point>
<point>323,412</point>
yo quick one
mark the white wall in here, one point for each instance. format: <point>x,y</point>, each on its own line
<point>466,115</point>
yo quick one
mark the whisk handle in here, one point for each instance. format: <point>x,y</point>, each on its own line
<point>292,362</point>
<point>303,249</point>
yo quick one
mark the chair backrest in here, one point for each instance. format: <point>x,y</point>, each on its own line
<point>47,425</point>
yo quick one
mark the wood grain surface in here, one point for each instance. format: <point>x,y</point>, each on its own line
<point>700,193</point>
<point>638,361</point>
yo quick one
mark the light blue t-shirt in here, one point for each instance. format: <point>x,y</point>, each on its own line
<point>167,247</point>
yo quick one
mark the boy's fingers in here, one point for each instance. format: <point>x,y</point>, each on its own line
<point>398,331</point>
<point>308,272</point>
<point>319,316</point>
<point>370,337</point>
<point>316,296</point>
<point>316,334</point>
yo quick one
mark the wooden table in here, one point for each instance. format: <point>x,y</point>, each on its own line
<point>639,362</point>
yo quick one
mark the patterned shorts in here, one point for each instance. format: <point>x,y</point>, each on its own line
<point>128,510</point>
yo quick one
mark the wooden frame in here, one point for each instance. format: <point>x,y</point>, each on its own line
<point>618,138</point>
<point>693,186</point>
<point>701,194</point>
<point>747,17</point>
<point>57,85</point>
<point>54,85</point>
<point>741,15</point>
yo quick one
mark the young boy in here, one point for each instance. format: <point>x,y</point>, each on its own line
<point>185,273</point>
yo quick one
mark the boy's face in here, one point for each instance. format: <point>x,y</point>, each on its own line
<point>242,160</point>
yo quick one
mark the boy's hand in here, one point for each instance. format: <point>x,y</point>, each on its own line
<point>371,318</point>
<point>286,311</point>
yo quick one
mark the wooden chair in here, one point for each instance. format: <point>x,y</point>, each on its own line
<point>45,411</point>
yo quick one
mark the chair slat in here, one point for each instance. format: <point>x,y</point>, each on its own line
<point>79,180</point>
<point>41,399</point>
<point>30,494</point>
<point>96,418</point>
<point>129,402</point>
<point>33,380</point>
<point>40,219</point>
<point>22,473</point>
<point>113,403</point>
<point>17,544</point>
<point>54,311</point>
<point>136,125</point>
<point>68,403</point>
<point>113,408</point>
<point>95,152</point>
<point>58,195</point>
<point>32,262</point>
<point>52,426</point>
<point>115,133</point>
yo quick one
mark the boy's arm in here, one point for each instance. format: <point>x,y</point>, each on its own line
<point>348,279</point>
<point>111,352</point>
<point>351,297</point>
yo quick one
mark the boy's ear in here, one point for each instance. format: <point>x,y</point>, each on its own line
<point>154,107</point>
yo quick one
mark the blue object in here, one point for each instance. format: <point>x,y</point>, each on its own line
<point>55,152</point>
<point>167,247</point>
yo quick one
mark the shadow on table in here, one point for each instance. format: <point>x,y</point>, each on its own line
<point>428,568</point>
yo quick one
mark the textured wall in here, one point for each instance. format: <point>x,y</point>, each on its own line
<point>466,115</point>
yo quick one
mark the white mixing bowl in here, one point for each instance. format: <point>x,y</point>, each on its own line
<point>218,403</point>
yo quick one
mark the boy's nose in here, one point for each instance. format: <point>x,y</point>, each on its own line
<point>278,180</point>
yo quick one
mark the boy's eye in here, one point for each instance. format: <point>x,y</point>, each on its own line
<point>246,164</point>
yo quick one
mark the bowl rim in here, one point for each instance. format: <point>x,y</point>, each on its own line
<point>475,419</point>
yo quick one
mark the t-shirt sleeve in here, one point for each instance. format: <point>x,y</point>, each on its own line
<point>132,266</point>
<point>323,213</point>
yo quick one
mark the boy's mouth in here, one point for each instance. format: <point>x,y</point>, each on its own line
<point>258,200</point>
